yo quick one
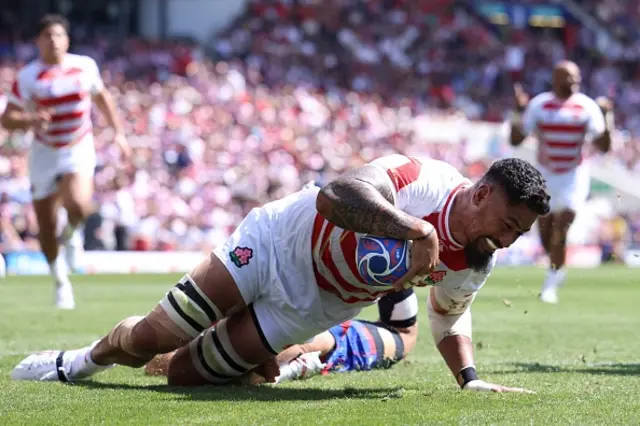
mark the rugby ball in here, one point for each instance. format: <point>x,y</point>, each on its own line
<point>382,261</point>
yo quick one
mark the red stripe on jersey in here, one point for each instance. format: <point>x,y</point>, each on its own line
<point>348,245</point>
<point>560,170</point>
<point>50,102</point>
<point>64,117</point>
<point>556,106</point>
<point>326,286</point>
<point>59,132</point>
<point>561,158</point>
<point>455,260</point>
<point>73,142</point>
<point>405,174</point>
<point>328,261</point>
<point>51,73</point>
<point>442,216</point>
<point>556,144</point>
<point>15,90</point>
<point>325,237</point>
<point>47,74</point>
<point>562,128</point>
<point>323,283</point>
<point>73,71</point>
<point>317,228</point>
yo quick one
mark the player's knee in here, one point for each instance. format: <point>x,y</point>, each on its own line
<point>215,359</point>
<point>181,370</point>
<point>189,308</point>
<point>77,209</point>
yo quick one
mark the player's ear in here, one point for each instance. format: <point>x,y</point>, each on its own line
<point>481,194</point>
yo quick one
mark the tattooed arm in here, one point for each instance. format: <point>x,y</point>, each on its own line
<point>361,200</point>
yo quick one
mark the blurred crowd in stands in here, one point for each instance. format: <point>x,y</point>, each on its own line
<point>301,92</point>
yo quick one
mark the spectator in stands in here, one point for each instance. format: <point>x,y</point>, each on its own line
<point>301,91</point>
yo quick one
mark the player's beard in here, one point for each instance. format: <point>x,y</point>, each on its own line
<point>477,259</point>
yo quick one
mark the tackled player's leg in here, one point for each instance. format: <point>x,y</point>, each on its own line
<point>355,345</point>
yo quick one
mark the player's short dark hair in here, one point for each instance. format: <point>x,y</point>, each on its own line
<point>522,183</point>
<point>52,19</point>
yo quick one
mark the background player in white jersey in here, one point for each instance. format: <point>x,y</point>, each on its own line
<point>284,274</point>
<point>354,345</point>
<point>564,122</point>
<point>52,96</point>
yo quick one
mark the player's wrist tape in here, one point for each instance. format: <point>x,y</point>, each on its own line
<point>466,375</point>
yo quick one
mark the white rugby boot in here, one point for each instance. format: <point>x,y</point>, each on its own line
<point>302,367</point>
<point>64,295</point>
<point>60,366</point>
<point>73,250</point>
<point>555,279</point>
<point>63,290</point>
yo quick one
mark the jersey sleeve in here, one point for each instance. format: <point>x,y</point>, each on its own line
<point>96,84</point>
<point>18,95</point>
<point>412,194</point>
<point>531,114</point>
<point>595,121</point>
<point>446,301</point>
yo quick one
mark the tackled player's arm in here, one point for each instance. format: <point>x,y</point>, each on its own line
<point>398,311</point>
<point>362,200</point>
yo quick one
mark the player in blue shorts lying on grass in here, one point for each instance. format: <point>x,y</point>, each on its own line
<point>355,345</point>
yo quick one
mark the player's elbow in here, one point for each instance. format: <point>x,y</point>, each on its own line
<point>5,121</point>
<point>323,203</point>
<point>11,117</point>
<point>603,143</point>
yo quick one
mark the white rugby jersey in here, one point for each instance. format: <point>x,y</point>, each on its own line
<point>424,188</point>
<point>65,89</point>
<point>562,127</point>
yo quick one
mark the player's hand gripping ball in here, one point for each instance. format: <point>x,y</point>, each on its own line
<point>382,261</point>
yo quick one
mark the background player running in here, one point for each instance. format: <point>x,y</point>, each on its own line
<point>564,121</point>
<point>52,96</point>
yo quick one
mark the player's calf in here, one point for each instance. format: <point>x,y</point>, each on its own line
<point>222,355</point>
<point>182,314</point>
<point>76,192</point>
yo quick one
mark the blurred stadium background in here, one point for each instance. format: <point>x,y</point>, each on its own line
<point>229,104</point>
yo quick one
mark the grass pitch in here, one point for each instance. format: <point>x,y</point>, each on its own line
<point>582,358</point>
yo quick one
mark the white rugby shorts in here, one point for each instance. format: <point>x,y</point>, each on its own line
<point>568,191</point>
<point>269,257</point>
<point>48,164</point>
